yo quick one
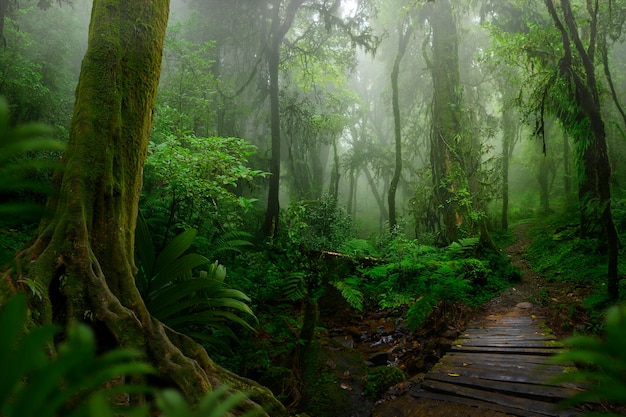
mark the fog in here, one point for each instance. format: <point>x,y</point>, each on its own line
<point>456,91</point>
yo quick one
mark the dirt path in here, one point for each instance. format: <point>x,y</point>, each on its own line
<point>514,301</point>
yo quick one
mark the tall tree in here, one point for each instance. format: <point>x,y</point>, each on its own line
<point>405,28</point>
<point>83,256</point>
<point>446,117</point>
<point>279,27</point>
<point>577,70</point>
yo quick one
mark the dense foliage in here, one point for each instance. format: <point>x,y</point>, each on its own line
<point>365,155</point>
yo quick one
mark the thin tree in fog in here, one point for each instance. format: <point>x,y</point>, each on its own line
<point>404,31</point>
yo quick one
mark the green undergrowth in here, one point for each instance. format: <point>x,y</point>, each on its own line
<point>575,271</point>
<point>12,237</point>
<point>423,277</point>
<point>559,254</point>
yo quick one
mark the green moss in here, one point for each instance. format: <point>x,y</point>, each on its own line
<point>327,392</point>
<point>381,378</point>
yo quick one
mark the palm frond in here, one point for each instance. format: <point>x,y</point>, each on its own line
<point>295,287</point>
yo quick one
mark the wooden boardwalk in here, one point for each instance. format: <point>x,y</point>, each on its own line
<point>502,365</point>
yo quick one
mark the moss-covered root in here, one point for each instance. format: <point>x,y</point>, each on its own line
<point>258,395</point>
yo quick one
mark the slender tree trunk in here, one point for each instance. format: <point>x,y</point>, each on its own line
<point>84,254</point>
<point>404,32</point>
<point>505,182</point>
<point>279,30</point>
<point>334,175</point>
<point>542,179</point>
<point>4,7</point>
<point>509,138</point>
<point>567,169</point>
<point>376,194</point>
<point>352,184</point>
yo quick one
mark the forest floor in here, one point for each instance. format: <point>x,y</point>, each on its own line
<point>529,291</point>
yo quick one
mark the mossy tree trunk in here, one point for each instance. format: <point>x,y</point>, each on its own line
<point>595,183</point>
<point>83,255</point>
<point>446,124</point>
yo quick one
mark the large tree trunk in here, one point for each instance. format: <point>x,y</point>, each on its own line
<point>83,256</point>
<point>273,206</point>
<point>446,128</point>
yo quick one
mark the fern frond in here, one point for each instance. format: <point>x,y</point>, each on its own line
<point>462,246</point>
<point>419,312</point>
<point>352,295</point>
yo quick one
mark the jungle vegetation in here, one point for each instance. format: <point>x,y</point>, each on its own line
<point>186,182</point>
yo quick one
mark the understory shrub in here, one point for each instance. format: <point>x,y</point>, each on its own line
<point>422,276</point>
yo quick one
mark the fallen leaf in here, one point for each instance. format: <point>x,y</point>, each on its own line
<point>466,363</point>
<point>454,374</point>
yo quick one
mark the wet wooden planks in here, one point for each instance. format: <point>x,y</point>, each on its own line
<point>502,365</point>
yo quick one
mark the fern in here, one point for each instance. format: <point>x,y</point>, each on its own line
<point>214,404</point>
<point>350,293</point>
<point>33,384</point>
<point>604,362</point>
<point>463,246</point>
<point>195,306</point>
<point>15,143</point>
<point>419,311</point>
<point>72,383</point>
<point>358,247</point>
<point>232,241</point>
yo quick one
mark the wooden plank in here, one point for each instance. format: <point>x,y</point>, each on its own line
<point>547,344</point>
<point>502,357</point>
<point>515,336</point>
<point>514,330</point>
<point>537,391</point>
<point>477,361</point>
<point>421,393</point>
<point>533,406</point>
<point>498,374</point>
<point>516,350</point>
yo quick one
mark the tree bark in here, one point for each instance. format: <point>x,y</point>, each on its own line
<point>544,189</point>
<point>567,169</point>
<point>595,187</point>
<point>404,32</point>
<point>508,142</point>
<point>333,188</point>
<point>84,254</point>
<point>278,33</point>
<point>379,199</point>
<point>446,115</point>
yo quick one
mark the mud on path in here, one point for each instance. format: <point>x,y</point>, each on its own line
<point>513,301</point>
